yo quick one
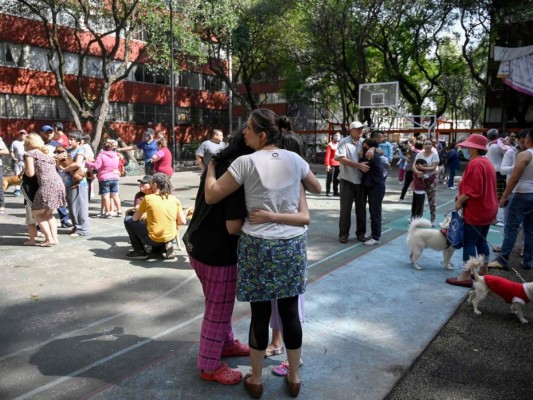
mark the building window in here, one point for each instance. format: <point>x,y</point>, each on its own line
<point>212,83</point>
<point>11,54</point>
<point>118,112</point>
<point>44,107</point>
<point>3,110</point>
<point>93,67</point>
<point>190,80</point>
<point>184,115</point>
<point>16,106</point>
<point>196,116</point>
<point>162,114</point>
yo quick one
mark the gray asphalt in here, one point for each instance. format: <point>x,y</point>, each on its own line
<point>80,321</point>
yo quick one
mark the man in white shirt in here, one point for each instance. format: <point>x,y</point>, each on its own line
<point>351,189</point>
<point>17,156</point>
<point>495,151</point>
<point>209,148</point>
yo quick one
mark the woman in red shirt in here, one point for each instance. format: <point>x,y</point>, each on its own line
<point>477,197</point>
<point>162,160</point>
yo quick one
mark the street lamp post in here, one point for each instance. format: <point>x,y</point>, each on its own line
<point>172,88</point>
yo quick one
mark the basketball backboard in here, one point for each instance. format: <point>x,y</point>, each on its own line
<point>378,95</point>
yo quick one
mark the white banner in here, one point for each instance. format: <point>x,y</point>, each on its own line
<point>516,68</point>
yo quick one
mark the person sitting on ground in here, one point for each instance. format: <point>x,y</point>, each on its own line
<point>163,214</point>
<point>106,164</point>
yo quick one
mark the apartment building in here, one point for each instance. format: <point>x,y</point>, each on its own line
<point>29,97</point>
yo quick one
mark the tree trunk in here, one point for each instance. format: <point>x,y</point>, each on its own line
<point>102,114</point>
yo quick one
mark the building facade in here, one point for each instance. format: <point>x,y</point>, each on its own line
<point>29,96</point>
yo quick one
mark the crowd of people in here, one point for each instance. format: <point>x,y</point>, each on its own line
<point>247,238</point>
<point>57,171</point>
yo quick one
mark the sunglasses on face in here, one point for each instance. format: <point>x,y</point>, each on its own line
<point>59,152</point>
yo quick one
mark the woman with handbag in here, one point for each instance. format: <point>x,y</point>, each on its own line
<point>477,198</point>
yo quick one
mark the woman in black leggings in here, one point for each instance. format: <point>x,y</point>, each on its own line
<point>408,178</point>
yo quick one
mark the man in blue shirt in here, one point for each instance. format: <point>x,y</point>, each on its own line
<point>149,148</point>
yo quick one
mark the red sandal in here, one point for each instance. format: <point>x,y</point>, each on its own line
<point>238,350</point>
<point>223,375</point>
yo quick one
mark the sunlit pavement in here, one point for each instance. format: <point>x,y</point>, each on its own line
<point>81,321</point>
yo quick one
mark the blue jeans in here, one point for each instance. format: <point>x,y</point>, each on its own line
<point>451,176</point>
<point>148,167</point>
<point>475,241</point>
<point>63,214</point>
<point>520,212</point>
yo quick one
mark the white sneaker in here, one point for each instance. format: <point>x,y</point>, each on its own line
<point>452,187</point>
<point>371,242</point>
<point>499,223</point>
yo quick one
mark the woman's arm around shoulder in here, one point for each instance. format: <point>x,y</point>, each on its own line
<point>216,190</point>
<point>311,183</point>
<point>302,217</point>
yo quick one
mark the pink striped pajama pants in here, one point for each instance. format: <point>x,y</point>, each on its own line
<point>219,285</point>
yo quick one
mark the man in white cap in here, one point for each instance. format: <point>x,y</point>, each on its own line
<point>351,189</point>
<point>17,156</point>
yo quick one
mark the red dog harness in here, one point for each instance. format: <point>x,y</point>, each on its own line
<point>444,231</point>
<point>506,289</point>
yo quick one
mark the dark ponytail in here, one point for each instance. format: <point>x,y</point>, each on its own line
<point>265,120</point>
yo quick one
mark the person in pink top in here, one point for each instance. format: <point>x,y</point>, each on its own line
<point>107,166</point>
<point>162,160</point>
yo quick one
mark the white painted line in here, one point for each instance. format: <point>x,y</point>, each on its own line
<point>99,322</point>
<point>341,251</point>
<point>106,359</point>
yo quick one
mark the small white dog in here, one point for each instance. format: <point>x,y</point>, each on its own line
<point>513,293</point>
<point>420,239</point>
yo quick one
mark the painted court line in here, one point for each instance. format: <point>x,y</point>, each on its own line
<point>96,323</point>
<point>340,252</point>
<point>106,359</point>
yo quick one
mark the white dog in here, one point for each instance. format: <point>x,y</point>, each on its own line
<point>513,293</point>
<point>420,239</point>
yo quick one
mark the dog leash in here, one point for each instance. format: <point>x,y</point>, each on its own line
<point>491,245</point>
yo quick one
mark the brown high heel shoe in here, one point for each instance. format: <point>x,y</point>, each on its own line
<point>254,389</point>
<point>292,388</point>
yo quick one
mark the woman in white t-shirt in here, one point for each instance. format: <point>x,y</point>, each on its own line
<point>272,257</point>
<point>429,174</point>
